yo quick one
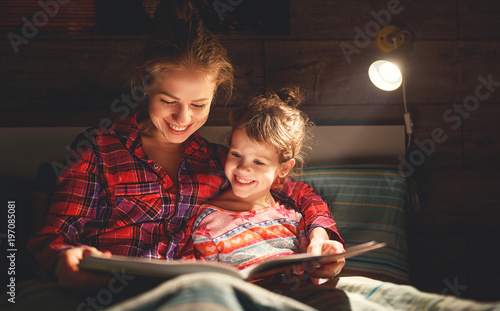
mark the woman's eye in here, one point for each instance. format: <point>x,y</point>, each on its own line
<point>199,106</point>
<point>167,102</point>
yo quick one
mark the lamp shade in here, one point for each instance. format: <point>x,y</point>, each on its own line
<point>385,75</point>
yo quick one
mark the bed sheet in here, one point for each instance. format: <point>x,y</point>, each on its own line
<point>377,295</point>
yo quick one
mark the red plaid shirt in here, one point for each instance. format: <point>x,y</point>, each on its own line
<point>112,197</point>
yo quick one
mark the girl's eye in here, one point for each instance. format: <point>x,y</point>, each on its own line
<point>236,155</point>
<point>258,162</point>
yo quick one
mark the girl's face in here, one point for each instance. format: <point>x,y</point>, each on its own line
<point>252,167</point>
<point>180,104</point>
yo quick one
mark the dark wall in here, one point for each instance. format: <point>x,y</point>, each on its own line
<point>73,79</point>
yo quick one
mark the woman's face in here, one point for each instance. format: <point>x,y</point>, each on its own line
<point>180,104</point>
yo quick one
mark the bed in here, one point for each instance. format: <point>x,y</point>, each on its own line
<point>357,171</point>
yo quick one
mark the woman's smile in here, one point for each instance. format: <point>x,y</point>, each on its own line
<point>177,129</point>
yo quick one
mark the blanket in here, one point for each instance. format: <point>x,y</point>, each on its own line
<point>219,292</point>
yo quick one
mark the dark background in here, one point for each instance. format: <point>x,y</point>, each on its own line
<point>70,72</point>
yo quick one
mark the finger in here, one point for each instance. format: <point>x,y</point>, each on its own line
<point>331,269</point>
<point>91,250</point>
<point>314,249</point>
<point>332,247</point>
<point>338,247</point>
<point>69,260</point>
<point>71,277</point>
<point>328,270</point>
<point>107,253</point>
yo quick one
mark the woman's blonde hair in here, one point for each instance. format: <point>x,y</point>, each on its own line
<point>275,119</point>
<point>181,42</point>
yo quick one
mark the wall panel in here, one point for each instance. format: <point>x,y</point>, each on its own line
<point>482,137</point>
<point>338,20</point>
<point>454,200</point>
<point>479,19</point>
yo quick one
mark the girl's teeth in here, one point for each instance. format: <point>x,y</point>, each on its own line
<point>243,181</point>
<point>177,128</point>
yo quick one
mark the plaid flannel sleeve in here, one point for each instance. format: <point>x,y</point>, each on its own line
<point>312,206</point>
<point>73,204</point>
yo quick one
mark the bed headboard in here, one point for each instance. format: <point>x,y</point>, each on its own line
<point>27,147</point>
<point>344,144</point>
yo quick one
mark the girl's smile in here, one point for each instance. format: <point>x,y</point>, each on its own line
<point>252,168</point>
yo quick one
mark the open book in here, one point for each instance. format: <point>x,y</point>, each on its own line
<point>161,268</point>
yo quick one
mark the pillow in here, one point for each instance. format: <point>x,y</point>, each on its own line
<point>368,203</point>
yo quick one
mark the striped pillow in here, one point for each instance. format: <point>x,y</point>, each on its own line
<point>368,203</point>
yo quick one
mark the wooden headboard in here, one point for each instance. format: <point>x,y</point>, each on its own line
<point>27,147</point>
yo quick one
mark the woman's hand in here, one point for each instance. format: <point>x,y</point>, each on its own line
<point>320,244</point>
<point>68,274</point>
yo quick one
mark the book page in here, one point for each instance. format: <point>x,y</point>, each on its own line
<point>161,268</point>
<point>303,262</point>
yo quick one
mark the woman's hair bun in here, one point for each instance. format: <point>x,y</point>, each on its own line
<point>290,96</point>
<point>176,21</point>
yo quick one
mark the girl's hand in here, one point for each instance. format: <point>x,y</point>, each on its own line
<point>320,244</point>
<point>68,274</point>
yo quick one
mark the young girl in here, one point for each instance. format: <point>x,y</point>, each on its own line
<point>245,224</point>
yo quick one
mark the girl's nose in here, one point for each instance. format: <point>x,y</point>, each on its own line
<point>243,165</point>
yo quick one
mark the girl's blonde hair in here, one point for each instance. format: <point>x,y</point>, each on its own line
<point>181,42</point>
<point>275,119</point>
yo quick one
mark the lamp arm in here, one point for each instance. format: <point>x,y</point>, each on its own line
<point>392,37</point>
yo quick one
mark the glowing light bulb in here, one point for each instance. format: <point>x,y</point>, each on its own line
<point>385,75</point>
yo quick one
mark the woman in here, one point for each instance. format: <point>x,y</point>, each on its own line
<point>131,188</point>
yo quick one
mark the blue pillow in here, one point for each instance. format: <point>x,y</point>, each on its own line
<point>368,203</point>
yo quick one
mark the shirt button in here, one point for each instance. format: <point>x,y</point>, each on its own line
<point>156,166</point>
<point>181,198</point>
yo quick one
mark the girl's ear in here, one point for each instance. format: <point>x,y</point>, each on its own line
<point>286,167</point>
